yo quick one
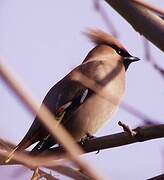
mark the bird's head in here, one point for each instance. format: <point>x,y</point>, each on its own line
<point>99,38</point>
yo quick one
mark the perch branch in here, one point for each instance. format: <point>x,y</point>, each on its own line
<point>144,133</point>
<point>110,141</point>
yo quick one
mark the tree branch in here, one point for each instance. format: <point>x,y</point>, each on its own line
<point>110,141</point>
<point>143,21</point>
<point>148,6</point>
<point>144,133</point>
<point>159,177</point>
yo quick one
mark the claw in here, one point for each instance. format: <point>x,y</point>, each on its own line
<point>98,152</point>
<point>82,141</point>
<point>89,136</point>
<point>86,138</point>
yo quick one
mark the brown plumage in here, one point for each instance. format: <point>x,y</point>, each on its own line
<point>98,37</point>
<point>79,108</point>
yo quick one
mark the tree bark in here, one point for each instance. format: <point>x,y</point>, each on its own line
<point>142,20</point>
<point>144,133</point>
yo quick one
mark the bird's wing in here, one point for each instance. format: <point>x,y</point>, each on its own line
<point>66,94</point>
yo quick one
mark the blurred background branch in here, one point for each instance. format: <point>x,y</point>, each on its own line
<point>150,7</point>
<point>98,7</point>
<point>142,20</point>
<point>159,177</point>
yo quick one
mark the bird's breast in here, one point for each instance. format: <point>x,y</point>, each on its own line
<point>98,108</point>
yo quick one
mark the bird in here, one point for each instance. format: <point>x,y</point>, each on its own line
<point>78,107</point>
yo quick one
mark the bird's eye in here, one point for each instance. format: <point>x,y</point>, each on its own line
<point>122,52</point>
<point>119,52</point>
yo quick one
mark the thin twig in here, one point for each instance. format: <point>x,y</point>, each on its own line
<point>102,92</point>
<point>149,57</point>
<point>135,112</point>
<point>98,7</point>
<point>147,51</point>
<point>29,161</point>
<point>46,175</point>
<point>38,174</point>
<point>40,161</point>
<point>70,172</point>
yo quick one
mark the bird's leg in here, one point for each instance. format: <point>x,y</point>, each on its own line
<point>85,139</point>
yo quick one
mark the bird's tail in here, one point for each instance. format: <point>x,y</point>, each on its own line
<point>43,145</point>
<point>19,147</point>
<point>27,141</point>
<point>10,156</point>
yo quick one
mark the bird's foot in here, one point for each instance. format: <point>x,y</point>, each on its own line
<point>98,151</point>
<point>86,138</point>
<point>89,136</point>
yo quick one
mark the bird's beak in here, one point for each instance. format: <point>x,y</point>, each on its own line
<point>131,58</point>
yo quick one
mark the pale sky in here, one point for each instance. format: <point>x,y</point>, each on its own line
<point>42,41</point>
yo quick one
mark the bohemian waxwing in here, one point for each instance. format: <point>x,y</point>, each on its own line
<point>79,108</point>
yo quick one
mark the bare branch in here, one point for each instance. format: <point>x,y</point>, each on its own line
<point>98,7</point>
<point>159,177</point>
<point>143,21</point>
<point>144,133</point>
<point>149,6</point>
<point>151,59</point>
<point>141,134</point>
<point>135,112</point>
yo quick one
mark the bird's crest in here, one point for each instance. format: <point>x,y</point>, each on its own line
<point>98,37</point>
